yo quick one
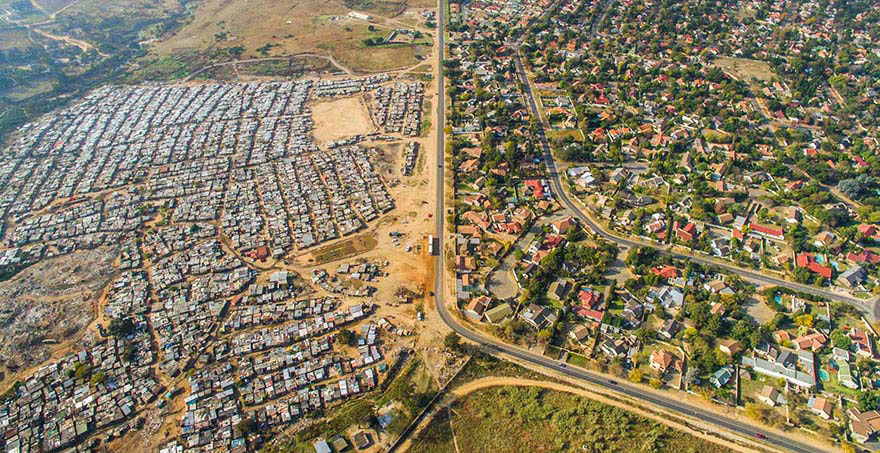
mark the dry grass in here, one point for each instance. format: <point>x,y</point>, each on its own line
<point>289,28</point>
<point>345,248</point>
<point>15,38</point>
<point>744,69</point>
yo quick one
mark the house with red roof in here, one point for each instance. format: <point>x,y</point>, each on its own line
<point>562,226</point>
<point>869,231</point>
<point>536,187</point>
<point>862,342</point>
<point>810,342</point>
<point>666,271</point>
<point>808,261</point>
<point>771,232</point>
<point>687,233</point>
<point>590,298</point>
<point>865,256</point>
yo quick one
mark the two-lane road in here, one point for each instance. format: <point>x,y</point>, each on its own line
<point>670,402</point>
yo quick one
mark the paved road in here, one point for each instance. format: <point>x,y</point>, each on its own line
<point>496,347</point>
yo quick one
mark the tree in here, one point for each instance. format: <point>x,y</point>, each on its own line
<point>121,327</point>
<point>452,341</point>
<point>869,400</point>
<point>235,51</point>
<point>97,378</point>
<point>246,426</point>
<point>804,320</point>
<point>346,336</point>
<point>656,383</point>
<point>635,375</point>
<point>840,339</point>
<point>82,371</point>
<point>545,334</point>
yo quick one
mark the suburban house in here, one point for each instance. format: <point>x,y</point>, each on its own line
<point>853,277</point>
<point>729,346</point>
<point>721,376</point>
<point>498,313</point>
<point>770,396</point>
<point>538,317</point>
<point>820,406</point>
<point>863,425</point>
<point>663,360</point>
<point>476,307</point>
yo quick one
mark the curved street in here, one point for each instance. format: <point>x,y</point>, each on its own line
<point>496,347</point>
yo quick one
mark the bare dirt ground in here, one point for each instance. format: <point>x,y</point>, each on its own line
<point>758,310</point>
<point>53,300</point>
<point>340,118</point>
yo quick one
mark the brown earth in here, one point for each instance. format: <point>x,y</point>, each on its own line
<point>53,300</point>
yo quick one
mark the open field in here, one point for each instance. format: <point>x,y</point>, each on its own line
<point>745,69</point>
<point>339,118</point>
<point>575,134</point>
<point>29,89</point>
<point>14,38</point>
<point>343,249</point>
<point>513,419</point>
<point>53,6</point>
<point>261,28</point>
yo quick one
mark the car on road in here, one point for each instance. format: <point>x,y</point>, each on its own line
<point>431,293</point>
<point>562,364</point>
<point>760,436</point>
<point>612,382</point>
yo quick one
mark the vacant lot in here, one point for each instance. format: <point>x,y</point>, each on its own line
<point>745,69</point>
<point>52,300</point>
<point>345,248</point>
<point>270,28</point>
<point>339,118</point>
<point>514,419</point>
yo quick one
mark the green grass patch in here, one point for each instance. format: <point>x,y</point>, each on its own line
<point>578,360</point>
<point>516,419</point>
<point>482,365</point>
<point>575,135</point>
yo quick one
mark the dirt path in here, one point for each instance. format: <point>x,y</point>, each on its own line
<point>67,39</point>
<point>833,189</point>
<point>488,382</point>
<point>255,60</point>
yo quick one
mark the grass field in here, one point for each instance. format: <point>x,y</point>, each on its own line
<point>270,28</point>
<point>575,134</point>
<point>745,69</point>
<point>31,88</point>
<point>344,249</point>
<point>482,365</point>
<point>515,419</point>
<point>15,38</point>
